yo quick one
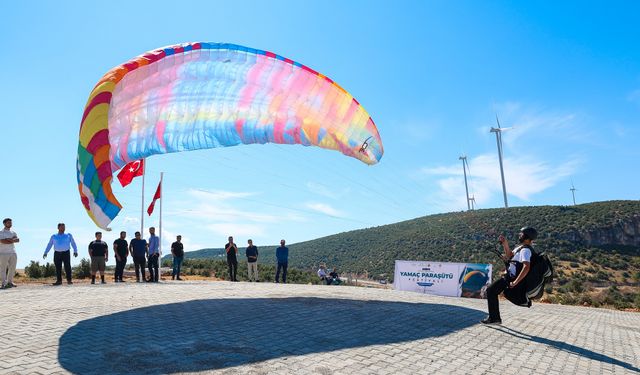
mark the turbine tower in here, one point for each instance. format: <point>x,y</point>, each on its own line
<point>573,193</point>
<point>465,165</point>
<point>498,132</point>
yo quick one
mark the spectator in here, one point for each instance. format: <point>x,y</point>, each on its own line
<point>177,250</point>
<point>335,278</point>
<point>121,252</point>
<point>323,275</point>
<point>232,259</point>
<point>152,255</point>
<point>8,256</point>
<point>282,255</point>
<point>252,261</point>
<point>138,249</point>
<point>62,243</point>
<point>99,253</point>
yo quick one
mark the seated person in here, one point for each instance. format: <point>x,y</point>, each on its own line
<point>335,279</point>
<point>322,274</point>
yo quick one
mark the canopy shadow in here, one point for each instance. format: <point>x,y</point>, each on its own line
<point>213,334</point>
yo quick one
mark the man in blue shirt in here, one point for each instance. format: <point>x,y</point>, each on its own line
<point>138,249</point>
<point>62,243</point>
<point>153,254</point>
<point>282,254</point>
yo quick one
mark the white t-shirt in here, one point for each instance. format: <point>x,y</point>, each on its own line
<point>7,248</point>
<point>521,254</point>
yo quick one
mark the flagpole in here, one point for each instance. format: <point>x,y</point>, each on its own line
<point>160,226</point>
<point>144,171</point>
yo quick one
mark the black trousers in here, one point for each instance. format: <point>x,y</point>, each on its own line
<point>233,268</point>
<point>493,291</point>
<point>283,267</point>
<point>138,263</point>
<point>60,257</point>
<point>120,268</point>
<point>153,268</point>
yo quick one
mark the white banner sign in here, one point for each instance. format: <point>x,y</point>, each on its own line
<point>443,279</point>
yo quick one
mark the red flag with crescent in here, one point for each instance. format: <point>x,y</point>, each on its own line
<point>129,171</point>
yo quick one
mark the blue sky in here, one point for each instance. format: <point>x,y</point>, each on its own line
<point>433,76</point>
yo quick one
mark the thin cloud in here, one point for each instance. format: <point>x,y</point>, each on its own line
<point>537,126</point>
<point>237,229</point>
<point>325,191</point>
<point>218,195</point>
<point>324,209</point>
<point>221,206</point>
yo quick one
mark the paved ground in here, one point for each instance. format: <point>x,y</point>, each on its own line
<point>249,328</point>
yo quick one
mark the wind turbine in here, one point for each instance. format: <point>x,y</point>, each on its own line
<point>573,193</point>
<point>498,132</point>
<point>465,165</point>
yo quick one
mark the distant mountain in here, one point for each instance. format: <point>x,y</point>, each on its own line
<point>466,236</point>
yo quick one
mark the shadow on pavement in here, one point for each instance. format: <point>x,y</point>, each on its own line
<point>559,345</point>
<point>220,333</point>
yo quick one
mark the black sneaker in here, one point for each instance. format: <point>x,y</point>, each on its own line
<point>69,282</point>
<point>57,283</point>
<point>488,320</point>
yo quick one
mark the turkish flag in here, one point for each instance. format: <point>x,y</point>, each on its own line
<point>156,196</point>
<point>129,171</point>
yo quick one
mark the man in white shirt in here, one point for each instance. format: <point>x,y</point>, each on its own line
<point>8,256</point>
<point>519,265</point>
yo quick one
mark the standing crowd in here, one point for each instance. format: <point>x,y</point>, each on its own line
<point>144,252</point>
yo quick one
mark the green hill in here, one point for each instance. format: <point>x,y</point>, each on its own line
<point>595,246</point>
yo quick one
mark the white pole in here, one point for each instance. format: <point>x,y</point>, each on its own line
<point>498,132</point>
<point>464,169</point>
<point>160,224</point>
<point>144,171</point>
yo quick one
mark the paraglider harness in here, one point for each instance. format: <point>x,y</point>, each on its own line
<point>532,286</point>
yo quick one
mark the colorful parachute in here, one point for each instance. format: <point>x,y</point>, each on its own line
<point>203,95</point>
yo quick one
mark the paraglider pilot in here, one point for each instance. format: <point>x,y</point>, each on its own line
<point>518,264</point>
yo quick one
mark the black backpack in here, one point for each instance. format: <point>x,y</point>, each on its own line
<point>532,287</point>
<point>541,273</point>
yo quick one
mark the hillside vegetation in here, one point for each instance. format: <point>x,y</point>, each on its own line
<point>595,247</point>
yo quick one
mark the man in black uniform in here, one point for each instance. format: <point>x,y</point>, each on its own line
<point>98,250</point>
<point>177,250</point>
<point>121,251</point>
<point>232,259</point>
<point>138,249</point>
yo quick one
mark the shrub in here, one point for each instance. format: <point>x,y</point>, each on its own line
<point>83,270</point>
<point>576,286</point>
<point>33,270</point>
<point>36,271</point>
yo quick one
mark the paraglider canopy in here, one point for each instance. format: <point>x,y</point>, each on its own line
<point>205,95</point>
